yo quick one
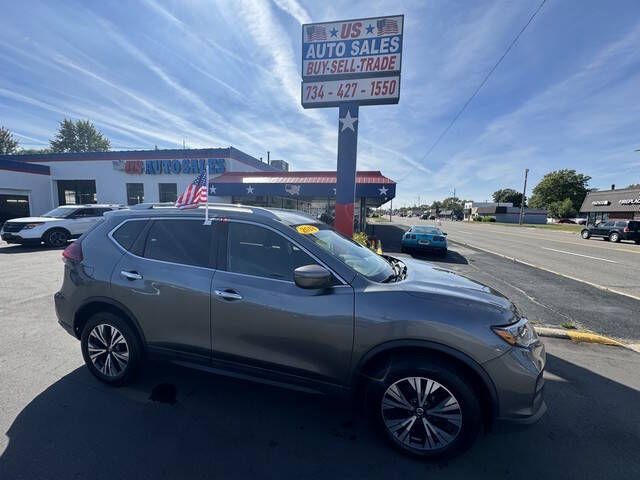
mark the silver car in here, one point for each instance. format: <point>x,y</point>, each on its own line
<point>276,297</point>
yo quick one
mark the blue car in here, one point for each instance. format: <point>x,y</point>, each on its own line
<point>424,238</point>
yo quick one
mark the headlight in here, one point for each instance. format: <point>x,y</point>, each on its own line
<point>31,225</point>
<point>521,333</point>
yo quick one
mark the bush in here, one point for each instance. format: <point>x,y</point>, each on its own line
<point>361,238</point>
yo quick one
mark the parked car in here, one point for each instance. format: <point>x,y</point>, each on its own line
<point>425,239</point>
<point>54,228</point>
<point>277,297</point>
<point>566,220</point>
<point>614,230</point>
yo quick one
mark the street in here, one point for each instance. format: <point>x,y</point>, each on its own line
<point>59,422</point>
<point>615,266</point>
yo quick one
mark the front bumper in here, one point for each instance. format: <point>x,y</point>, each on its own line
<point>15,238</point>
<point>519,382</point>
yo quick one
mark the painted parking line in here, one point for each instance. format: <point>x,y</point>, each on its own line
<point>579,255</point>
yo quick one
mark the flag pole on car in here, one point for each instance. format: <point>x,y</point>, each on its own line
<point>196,193</point>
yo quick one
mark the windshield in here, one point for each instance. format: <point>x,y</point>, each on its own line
<point>433,231</point>
<point>360,258</point>
<point>60,212</point>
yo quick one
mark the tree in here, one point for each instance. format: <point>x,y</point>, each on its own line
<point>454,204</point>
<point>634,185</point>
<point>505,195</point>
<point>562,209</point>
<point>79,136</point>
<point>558,186</point>
<point>8,144</point>
<point>30,151</point>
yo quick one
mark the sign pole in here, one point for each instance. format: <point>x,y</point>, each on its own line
<point>346,175</point>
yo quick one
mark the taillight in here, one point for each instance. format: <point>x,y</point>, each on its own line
<point>626,230</point>
<point>73,252</point>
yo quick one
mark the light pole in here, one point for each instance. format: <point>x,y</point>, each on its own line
<point>524,194</point>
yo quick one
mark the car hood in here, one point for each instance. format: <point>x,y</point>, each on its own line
<point>425,278</point>
<point>33,219</point>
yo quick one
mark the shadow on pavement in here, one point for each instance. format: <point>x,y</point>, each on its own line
<point>214,427</point>
<point>8,249</point>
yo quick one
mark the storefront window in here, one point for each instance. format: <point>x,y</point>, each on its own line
<point>76,192</point>
<point>135,193</point>
<point>167,192</point>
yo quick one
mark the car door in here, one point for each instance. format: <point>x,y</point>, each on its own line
<point>261,318</point>
<point>164,278</point>
<point>83,219</point>
<point>602,229</point>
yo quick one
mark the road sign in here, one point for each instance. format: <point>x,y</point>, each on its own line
<point>347,64</point>
<point>367,91</point>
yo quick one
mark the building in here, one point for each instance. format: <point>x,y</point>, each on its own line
<point>280,165</point>
<point>605,204</point>
<point>34,184</point>
<point>504,213</point>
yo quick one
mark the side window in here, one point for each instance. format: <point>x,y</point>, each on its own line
<point>128,232</point>
<point>84,212</point>
<point>187,242</point>
<point>255,250</point>
<point>621,224</point>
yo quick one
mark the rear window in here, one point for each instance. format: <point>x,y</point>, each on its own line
<point>186,242</point>
<point>128,232</point>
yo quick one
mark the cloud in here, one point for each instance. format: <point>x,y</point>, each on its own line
<point>294,9</point>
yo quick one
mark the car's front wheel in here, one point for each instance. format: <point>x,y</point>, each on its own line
<point>428,410</point>
<point>56,237</point>
<point>585,234</point>
<point>110,348</point>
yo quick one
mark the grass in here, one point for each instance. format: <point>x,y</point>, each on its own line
<point>569,325</point>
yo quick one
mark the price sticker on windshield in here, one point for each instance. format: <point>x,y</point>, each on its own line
<point>307,229</point>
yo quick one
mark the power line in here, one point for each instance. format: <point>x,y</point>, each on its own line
<point>477,90</point>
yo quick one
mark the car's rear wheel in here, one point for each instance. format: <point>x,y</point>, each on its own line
<point>56,238</point>
<point>110,348</point>
<point>614,237</point>
<point>427,410</point>
<point>585,234</point>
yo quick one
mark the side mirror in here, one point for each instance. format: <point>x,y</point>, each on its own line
<point>312,276</point>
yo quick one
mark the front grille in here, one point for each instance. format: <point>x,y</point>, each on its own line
<point>12,227</point>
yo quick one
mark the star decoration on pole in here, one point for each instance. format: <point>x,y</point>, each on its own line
<point>383,190</point>
<point>348,122</point>
<point>212,189</point>
<point>250,190</point>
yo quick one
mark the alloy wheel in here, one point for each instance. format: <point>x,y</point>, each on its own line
<point>421,414</point>
<point>108,350</point>
<point>57,238</point>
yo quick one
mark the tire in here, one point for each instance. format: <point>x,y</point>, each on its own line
<point>443,253</point>
<point>585,234</point>
<point>614,237</point>
<point>637,242</point>
<point>120,362</point>
<point>56,238</point>
<point>450,390</point>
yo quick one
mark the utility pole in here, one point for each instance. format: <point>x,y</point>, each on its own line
<point>524,195</point>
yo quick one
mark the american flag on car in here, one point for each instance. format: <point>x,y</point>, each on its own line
<point>195,194</point>
<point>387,26</point>
<point>316,32</point>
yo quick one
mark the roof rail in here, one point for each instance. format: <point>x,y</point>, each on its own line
<point>212,206</point>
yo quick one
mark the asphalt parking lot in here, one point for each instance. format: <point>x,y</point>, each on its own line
<point>58,422</point>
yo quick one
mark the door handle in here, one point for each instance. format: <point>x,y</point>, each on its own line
<point>131,275</point>
<point>227,294</point>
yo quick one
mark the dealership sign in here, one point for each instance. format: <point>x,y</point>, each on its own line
<point>629,201</point>
<point>171,167</point>
<point>352,61</point>
<point>600,203</point>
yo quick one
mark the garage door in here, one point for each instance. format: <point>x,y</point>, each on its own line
<point>13,206</point>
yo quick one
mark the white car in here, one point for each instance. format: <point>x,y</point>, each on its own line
<point>54,228</point>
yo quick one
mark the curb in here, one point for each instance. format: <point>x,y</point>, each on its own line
<point>528,264</point>
<point>582,336</point>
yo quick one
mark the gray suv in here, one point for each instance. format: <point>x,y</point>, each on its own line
<point>277,297</point>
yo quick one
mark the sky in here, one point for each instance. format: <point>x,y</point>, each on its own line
<point>221,73</point>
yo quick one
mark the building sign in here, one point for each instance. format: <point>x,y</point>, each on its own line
<point>366,91</point>
<point>629,201</point>
<point>171,167</point>
<point>600,203</point>
<point>352,60</point>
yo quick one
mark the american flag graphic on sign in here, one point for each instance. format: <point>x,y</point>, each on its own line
<point>316,32</point>
<point>195,194</point>
<point>386,26</point>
